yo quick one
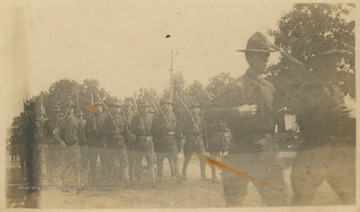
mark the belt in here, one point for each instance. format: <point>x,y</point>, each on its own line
<point>145,137</point>
<point>117,136</point>
<point>72,144</point>
<point>169,133</point>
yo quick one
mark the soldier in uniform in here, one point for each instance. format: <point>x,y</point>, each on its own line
<point>167,136</point>
<point>83,146</point>
<point>53,148</point>
<point>129,114</point>
<point>218,139</point>
<point>195,139</point>
<point>328,148</point>
<point>246,105</point>
<point>97,138</point>
<point>116,142</point>
<point>69,133</point>
<point>143,145</point>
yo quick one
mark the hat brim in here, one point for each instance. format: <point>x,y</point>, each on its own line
<point>329,52</point>
<point>257,50</point>
<point>166,103</point>
<point>195,106</point>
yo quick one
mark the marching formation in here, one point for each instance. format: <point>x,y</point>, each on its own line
<point>232,132</point>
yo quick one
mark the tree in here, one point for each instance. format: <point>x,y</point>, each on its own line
<point>60,94</point>
<point>197,92</point>
<point>217,83</point>
<point>301,33</point>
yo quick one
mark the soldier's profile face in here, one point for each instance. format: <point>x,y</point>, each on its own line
<point>166,107</point>
<point>195,110</point>
<point>258,60</point>
<point>99,108</point>
<point>327,64</point>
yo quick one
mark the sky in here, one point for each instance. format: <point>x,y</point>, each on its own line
<point>123,44</point>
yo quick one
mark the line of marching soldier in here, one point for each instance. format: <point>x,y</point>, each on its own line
<point>120,139</point>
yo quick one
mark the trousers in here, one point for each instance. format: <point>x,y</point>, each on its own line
<point>335,164</point>
<point>264,168</point>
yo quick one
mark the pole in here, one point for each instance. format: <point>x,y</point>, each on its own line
<point>171,76</point>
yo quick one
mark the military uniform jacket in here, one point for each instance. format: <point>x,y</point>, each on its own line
<point>194,129</point>
<point>49,127</point>
<point>69,130</point>
<point>247,89</point>
<point>82,137</point>
<point>317,105</point>
<point>95,130</point>
<point>141,126</point>
<point>115,139</point>
<point>217,138</point>
<point>166,132</point>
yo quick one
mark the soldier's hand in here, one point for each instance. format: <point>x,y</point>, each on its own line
<point>246,110</point>
<point>345,111</point>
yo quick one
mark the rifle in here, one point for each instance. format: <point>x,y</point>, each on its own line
<point>287,55</point>
<point>92,103</point>
<point>158,108</point>
<point>138,108</point>
<point>77,97</point>
<point>109,114</point>
<point>128,135</point>
<point>187,111</point>
<point>42,112</point>
<point>61,120</point>
<point>135,103</point>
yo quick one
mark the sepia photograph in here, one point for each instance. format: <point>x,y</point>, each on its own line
<point>231,105</point>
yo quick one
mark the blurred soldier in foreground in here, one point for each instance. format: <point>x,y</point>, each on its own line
<point>84,162</point>
<point>40,148</point>
<point>246,105</point>
<point>97,139</point>
<point>167,138</point>
<point>143,145</point>
<point>328,149</point>
<point>219,138</point>
<point>195,139</point>
<point>69,131</point>
<point>116,143</point>
<point>53,145</point>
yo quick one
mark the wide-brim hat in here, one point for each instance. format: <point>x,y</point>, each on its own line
<point>79,113</point>
<point>115,104</point>
<point>258,43</point>
<point>195,105</point>
<point>328,48</point>
<point>56,110</point>
<point>144,103</point>
<point>166,102</point>
<point>127,102</point>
